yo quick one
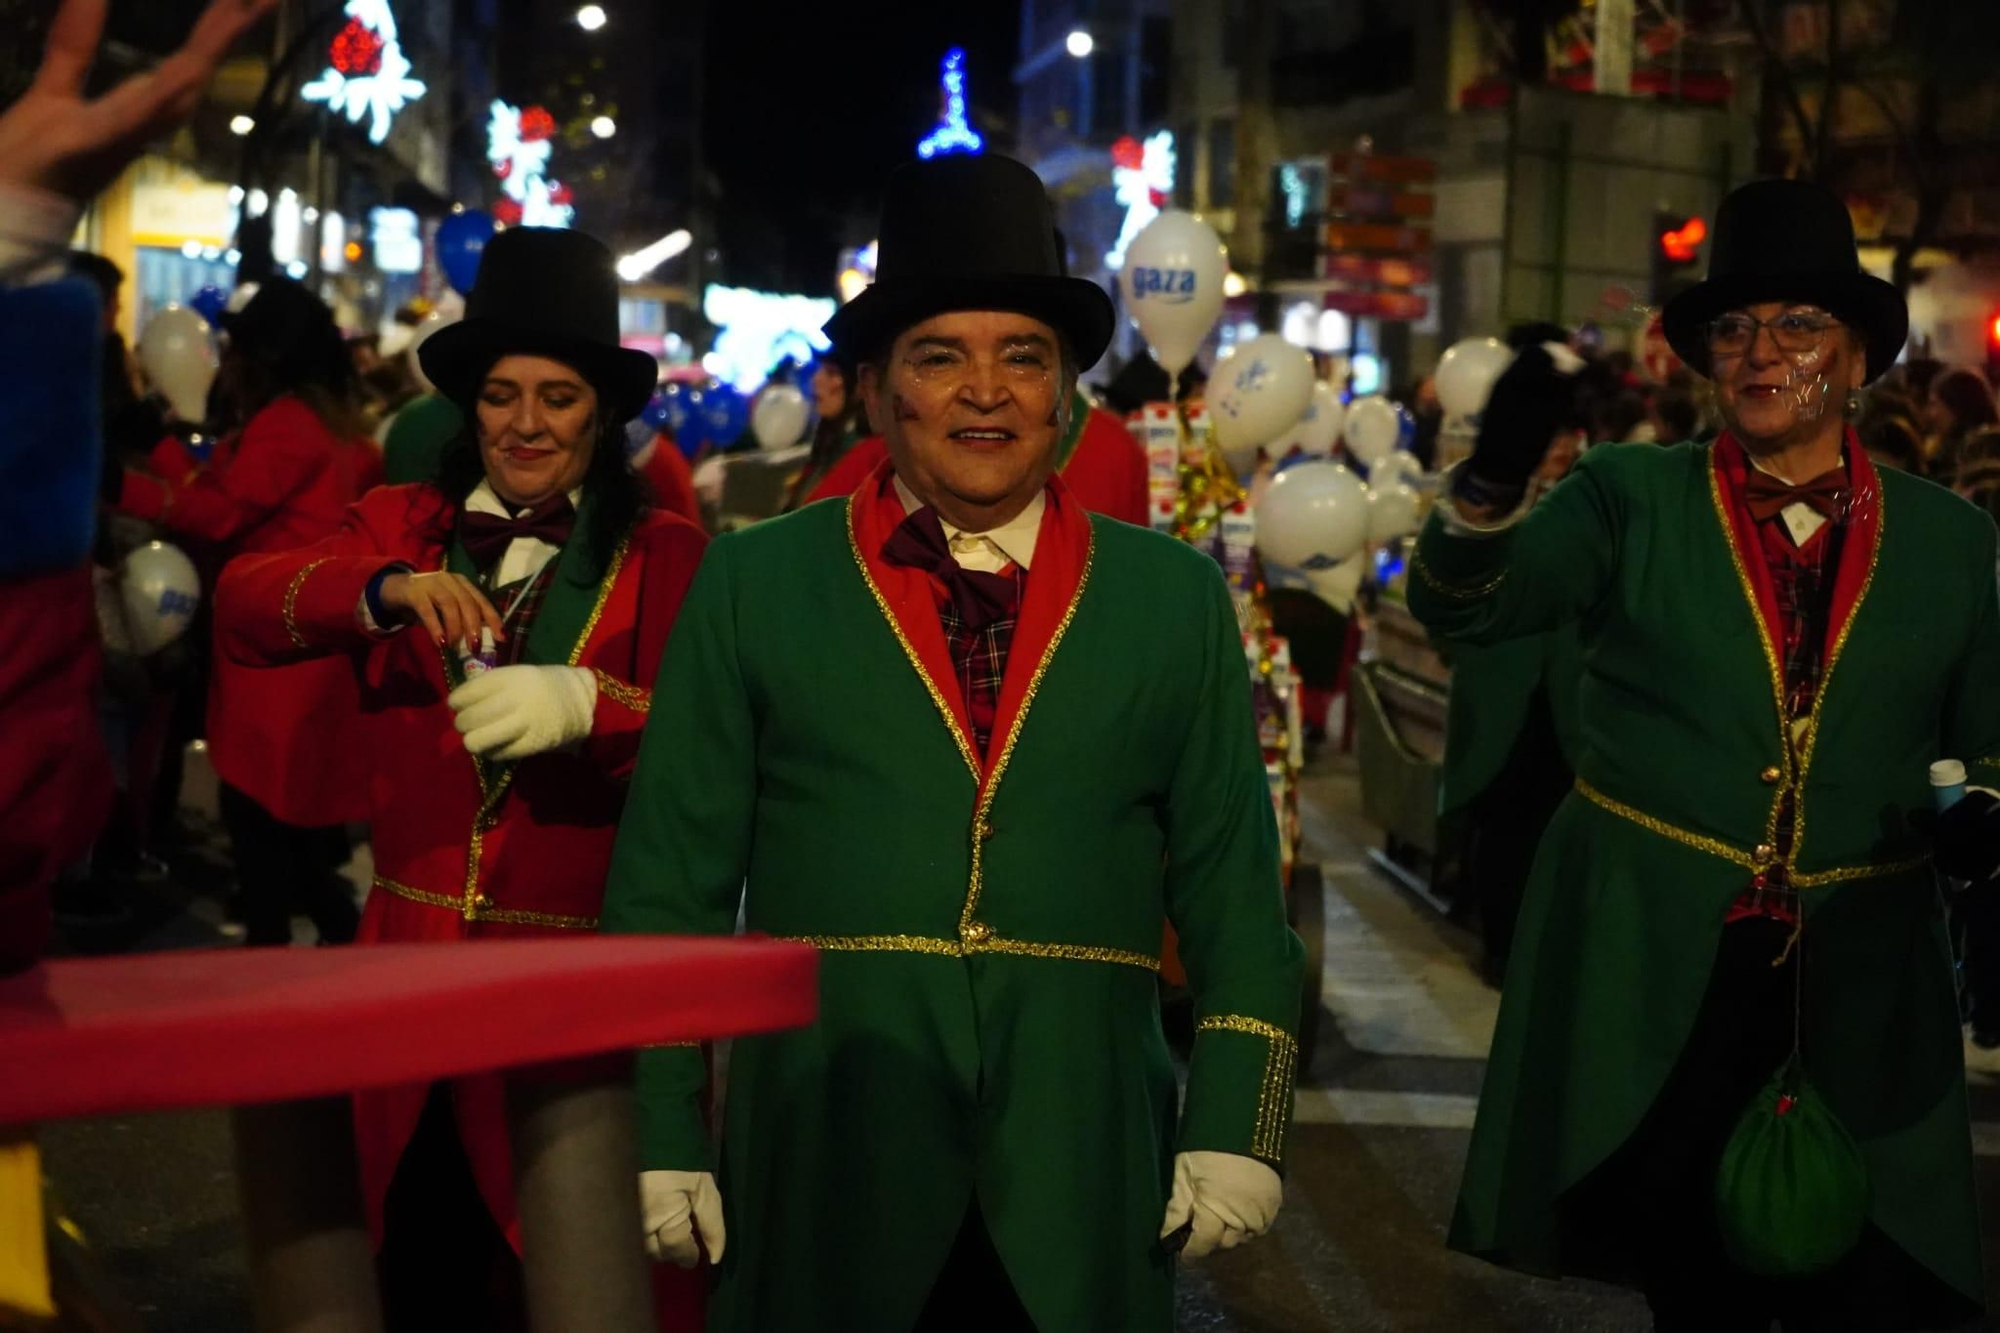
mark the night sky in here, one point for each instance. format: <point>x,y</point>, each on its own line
<point>808,109</point>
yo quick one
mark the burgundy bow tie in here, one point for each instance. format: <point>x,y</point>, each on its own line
<point>980,598</point>
<point>1767,496</point>
<point>487,536</point>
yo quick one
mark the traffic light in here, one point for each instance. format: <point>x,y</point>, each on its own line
<point>1993,347</point>
<point>1677,239</point>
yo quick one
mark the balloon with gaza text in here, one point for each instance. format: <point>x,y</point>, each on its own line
<point>461,240</point>
<point>1312,516</point>
<point>1257,395</point>
<point>779,418</point>
<point>160,591</point>
<point>1172,285</point>
<point>177,352</point>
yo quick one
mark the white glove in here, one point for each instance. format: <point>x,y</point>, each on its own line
<point>668,1202</point>
<point>512,712</point>
<point>1230,1198</point>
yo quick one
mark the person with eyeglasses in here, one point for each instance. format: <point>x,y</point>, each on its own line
<point>1728,1065</point>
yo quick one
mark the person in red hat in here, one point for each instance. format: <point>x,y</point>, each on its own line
<point>505,620</point>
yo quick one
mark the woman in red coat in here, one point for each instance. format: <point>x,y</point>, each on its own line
<point>506,621</point>
<point>282,481</point>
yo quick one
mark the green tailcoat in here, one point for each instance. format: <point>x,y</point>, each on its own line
<point>1683,766</point>
<point>1492,687</point>
<point>989,1018</point>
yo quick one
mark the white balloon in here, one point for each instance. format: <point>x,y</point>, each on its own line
<point>1399,466</point>
<point>1373,427</point>
<point>1312,516</point>
<point>1392,512</point>
<point>780,416</point>
<point>426,326</point>
<point>1259,394</point>
<point>177,352</point>
<point>160,591</point>
<point>1465,374</point>
<point>1319,429</point>
<point>1172,283</point>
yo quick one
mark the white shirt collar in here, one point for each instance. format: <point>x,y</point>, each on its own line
<point>988,551</point>
<point>485,500</point>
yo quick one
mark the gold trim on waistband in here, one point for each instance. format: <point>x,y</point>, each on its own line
<point>1274,1096</point>
<point>943,948</point>
<point>1798,879</point>
<point>483,910</point>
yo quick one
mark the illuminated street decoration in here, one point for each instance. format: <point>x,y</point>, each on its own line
<point>517,144</point>
<point>757,330</point>
<point>1142,178</point>
<point>368,76</point>
<point>952,134</point>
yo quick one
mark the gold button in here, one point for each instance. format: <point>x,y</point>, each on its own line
<point>482,902</point>
<point>1770,775</point>
<point>985,830</point>
<point>975,932</point>
<point>1765,851</point>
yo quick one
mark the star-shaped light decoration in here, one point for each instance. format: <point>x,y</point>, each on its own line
<point>518,146</point>
<point>369,76</point>
<point>1142,177</point>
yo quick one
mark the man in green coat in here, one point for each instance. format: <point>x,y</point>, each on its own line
<point>976,745</point>
<point>1778,641</point>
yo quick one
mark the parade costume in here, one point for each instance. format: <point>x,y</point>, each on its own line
<point>467,847</point>
<point>1759,710</point>
<point>986,1103</point>
<point>1104,468</point>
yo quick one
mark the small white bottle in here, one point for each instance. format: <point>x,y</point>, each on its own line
<point>478,664</point>
<point>1947,783</point>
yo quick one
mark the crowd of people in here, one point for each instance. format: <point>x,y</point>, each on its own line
<point>1726,1070</point>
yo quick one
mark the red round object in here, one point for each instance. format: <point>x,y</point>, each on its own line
<point>1158,198</point>
<point>507,213</point>
<point>356,50</point>
<point>504,168</point>
<point>559,194</point>
<point>1128,152</point>
<point>536,124</point>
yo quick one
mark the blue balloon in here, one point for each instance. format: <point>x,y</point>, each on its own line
<point>725,413</point>
<point>655,413</point>
<point>209,303</point>
<point>461,240</point>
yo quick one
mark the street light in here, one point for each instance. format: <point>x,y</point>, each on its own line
<point>241,125</point>
<point>590,18</point>
<point>641,262</point>
<point>604,127</point>
<point>1080,43</point>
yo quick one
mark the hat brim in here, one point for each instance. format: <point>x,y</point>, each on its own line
<point>1075,307</point>
<point>1869,305</point>
<point>457,357</point>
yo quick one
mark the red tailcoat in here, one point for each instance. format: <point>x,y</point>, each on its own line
<point>465,850</point>
<point>284,482</point>
<point>1105,469</point>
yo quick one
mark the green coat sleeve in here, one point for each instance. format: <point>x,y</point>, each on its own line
<point>684,842</point>
<point>1971,730</point>
<point>1549,568</point>
<point>1223,896</point>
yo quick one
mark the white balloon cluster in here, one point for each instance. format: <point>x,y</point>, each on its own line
<point>1266,388</point>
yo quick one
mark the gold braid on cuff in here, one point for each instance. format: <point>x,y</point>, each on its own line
<point>631,696</point>
<point>1274,1096</point>
<point>292,601</point>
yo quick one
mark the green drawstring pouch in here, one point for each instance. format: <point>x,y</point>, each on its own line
<point>1791,1195</point>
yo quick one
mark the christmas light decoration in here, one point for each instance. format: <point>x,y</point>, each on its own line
<point>952,134</point>
<point>367,76</point>
<point>518,147</point>
<point>1142,178</point>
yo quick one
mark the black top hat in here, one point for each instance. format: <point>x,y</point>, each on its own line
<point>542,291</point>
<point>970,233</point>
<point>1781,240</point>
<point>290,331</point>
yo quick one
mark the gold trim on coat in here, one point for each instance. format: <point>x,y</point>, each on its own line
<point>965,948</point>
<point>631,696</point>
<point>486,911</point>
<point>1274,1095</point>
<point>1736,855</point>
<point>1454,591</point>
<point>1788,776</point>
<point>292,600</point>
<point>909,649</point>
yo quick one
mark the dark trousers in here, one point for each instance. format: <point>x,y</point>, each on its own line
<point>1648,1213</point>
<point>973,1293</point>
<point>444,1262</point>
<point>279,865</point>
<point>1976,914</point>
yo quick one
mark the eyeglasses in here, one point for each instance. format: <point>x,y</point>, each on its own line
<point>1792,331</point>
